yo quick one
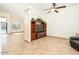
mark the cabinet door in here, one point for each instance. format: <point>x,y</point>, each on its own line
<point>33,36</point>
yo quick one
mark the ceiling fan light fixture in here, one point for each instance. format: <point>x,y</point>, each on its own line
<point>55,8</point>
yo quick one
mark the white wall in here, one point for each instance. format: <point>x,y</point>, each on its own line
<point>36,14</point>
<point>63,24</point>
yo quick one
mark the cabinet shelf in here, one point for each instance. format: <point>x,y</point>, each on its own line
<point>34,33</point>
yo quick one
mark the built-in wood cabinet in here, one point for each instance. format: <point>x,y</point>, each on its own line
<point>34,34</point>
<point>33,30</point>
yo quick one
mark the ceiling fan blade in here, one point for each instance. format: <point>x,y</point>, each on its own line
<point>56,11</point>
<point>60,7</point>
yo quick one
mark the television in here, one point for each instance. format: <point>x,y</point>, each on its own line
<point>39,27</point>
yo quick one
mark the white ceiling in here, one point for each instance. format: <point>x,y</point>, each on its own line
<point>18,8</point>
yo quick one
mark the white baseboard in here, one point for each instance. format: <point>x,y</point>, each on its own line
<point>61,37</point>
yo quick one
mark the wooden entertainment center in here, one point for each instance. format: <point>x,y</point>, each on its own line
<point>34,34</point>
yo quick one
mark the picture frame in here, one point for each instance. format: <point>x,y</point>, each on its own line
<point>16,25</point>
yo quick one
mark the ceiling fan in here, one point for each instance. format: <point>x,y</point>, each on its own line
<point>54,6</point>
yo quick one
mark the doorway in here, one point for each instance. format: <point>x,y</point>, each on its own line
<point>3,33</point>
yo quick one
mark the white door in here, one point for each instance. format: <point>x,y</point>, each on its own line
<point>3,33</point>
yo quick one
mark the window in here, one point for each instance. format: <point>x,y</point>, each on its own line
<point>3,25</point>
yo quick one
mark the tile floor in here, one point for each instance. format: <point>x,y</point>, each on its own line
<point>42,46</point>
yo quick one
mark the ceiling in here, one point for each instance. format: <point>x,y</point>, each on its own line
<point>18,8</point>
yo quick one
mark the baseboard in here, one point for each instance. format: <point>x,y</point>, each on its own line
<point>58,37</point>
<point>26,41</point>
<point>16,32</point>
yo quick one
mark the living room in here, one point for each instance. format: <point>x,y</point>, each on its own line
<point>59,25</point>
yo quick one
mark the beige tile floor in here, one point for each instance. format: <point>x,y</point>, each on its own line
<point>15,44</point>
<point>42,46</point>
